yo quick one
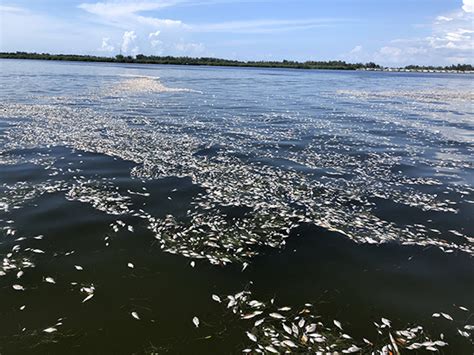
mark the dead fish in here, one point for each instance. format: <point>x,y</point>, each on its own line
<point>88,298</point>
<point>78,267</point>
<point>287,329</point>
<point>130,265</point>
<point>251,315</point>
<point>258,322</point>
<point>135,315</point>
<point>50,280</point>
<point>276,316</point>
<point>289,344</point>
<point>50,330</point>
<point>447,316</point>
<point>271,349</point>
<point>301,323</point>
<point>216,298</point>
<point>196,322</point>
<point>18,288</point>
<point>251,336</point>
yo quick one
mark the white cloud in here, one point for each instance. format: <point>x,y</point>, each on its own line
<point>154,41</point>
<point>356,49</point>
<point>23,29</point>
<point>106,46</point>
<point>468,6</point>
<point>451,41</point>
<point>190,48</point>
<point>154,34</point>
<point>443,18</point>
<point>128,39</point>
<point>265,25</point>
<point>121,8</point>
<point>4,9</point>
<point>126,14</point>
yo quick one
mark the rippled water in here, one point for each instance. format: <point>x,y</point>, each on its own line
<point>138,201</point>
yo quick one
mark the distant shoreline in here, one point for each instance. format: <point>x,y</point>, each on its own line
<point>204,61</point>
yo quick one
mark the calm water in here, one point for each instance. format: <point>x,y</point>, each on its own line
<point>130,195</point>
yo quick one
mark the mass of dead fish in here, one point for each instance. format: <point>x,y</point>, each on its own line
<point>275,174</point>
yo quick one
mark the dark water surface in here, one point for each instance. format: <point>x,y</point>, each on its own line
<point>129,195</point>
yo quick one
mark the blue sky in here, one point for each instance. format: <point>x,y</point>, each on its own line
<point>389,32</point>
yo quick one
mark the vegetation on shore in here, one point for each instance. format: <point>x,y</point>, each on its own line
<point>143,59</point>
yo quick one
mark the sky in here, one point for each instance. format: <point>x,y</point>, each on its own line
<point>388,32</point>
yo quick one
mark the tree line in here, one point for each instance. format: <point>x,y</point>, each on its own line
<point>151,59</point>
<point>144,59</point>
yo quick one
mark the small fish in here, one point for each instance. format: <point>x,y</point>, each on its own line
<point>337,324</point>
<point>130,265</point>
<point>386,322</point>
<point>252,336</point>
<point>135,315</point>
<point>50,280</point>
<point>284,309</point>
<point>289,343</point>
<point>22,308</point>
<point>192,263</point>
<point>216,298</point>
<point>50,330</point>
<point>196,322</point>
<point>18,288</point>
<point>276,316</point>
<point>78,267</point>
<point>130,229</point>
<point>287,329</point>
<point>271,349</point>
<point>447,316</point>
<point>88,298</point>
<point>258,322</point>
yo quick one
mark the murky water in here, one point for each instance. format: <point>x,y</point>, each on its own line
<point>195,210</point>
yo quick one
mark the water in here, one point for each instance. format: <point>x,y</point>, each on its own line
<point>145,189</point>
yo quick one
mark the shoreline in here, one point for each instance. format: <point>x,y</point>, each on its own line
<point>216,62</point>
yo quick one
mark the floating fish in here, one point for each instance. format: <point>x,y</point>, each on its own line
<point>135,315</point>
<point>50,330</point>
<point>88,298</point>
<point>216,298</point>
<point>49,280</point>
<point>251,336</point>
